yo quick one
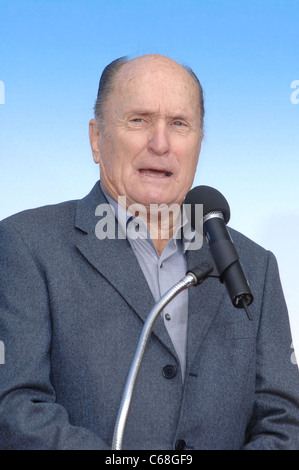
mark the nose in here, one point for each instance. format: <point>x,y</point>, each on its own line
<point>158,140</point>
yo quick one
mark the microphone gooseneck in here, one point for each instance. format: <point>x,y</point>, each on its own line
<point>193,277</point>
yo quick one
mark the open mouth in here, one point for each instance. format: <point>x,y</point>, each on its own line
<point>155,173</point>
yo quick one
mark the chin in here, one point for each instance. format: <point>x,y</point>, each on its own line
<point>156,197</point>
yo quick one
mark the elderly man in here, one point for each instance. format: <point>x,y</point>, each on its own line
<point>74,301</point>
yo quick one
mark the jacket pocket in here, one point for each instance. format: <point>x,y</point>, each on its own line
<point>239,330</point>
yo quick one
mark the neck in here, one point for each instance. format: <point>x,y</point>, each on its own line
<point>160,245</point>
<point>161,219</point>
<point>162,223</point>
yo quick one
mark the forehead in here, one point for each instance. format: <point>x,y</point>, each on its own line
<point>155,83</point>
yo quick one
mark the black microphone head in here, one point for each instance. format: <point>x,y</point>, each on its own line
<point>211,199</point>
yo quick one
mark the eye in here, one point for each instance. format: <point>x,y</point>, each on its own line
<point>136,122</point>
<point>179,123</point>
<point>180,126</point>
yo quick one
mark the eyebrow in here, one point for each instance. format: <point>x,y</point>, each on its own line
<point>145,112</point>
<point>141,112</point>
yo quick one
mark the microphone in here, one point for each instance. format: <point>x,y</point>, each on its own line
<point>216,214</point>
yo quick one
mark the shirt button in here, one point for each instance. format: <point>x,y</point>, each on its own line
<point>180,445</point>
<point>169,372</point>
<point>167,316</point>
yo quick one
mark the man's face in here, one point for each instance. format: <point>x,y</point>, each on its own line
<point>149,145</point>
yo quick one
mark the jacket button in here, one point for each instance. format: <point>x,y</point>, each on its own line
<point>180,445</point>
<point>169,372</point>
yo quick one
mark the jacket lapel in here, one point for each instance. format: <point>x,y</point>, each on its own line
<point>115,260</point>
<point>204,302</point>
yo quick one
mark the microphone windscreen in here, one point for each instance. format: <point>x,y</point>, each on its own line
<point>211,199</point>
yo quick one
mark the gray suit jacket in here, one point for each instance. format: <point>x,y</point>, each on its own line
<point>72,310</point>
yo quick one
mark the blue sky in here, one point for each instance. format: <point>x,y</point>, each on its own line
<point>246,55</point>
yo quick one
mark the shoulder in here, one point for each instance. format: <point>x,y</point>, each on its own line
<point>34,225</point>
<point>255,259</point>
<point>245,245</point>
<point>52,226</point>
<point>64,210</point>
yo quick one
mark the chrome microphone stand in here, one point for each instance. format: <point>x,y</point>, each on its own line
<point>193,277</point>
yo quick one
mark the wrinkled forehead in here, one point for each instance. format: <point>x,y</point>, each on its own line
<point>156,79</point>
<point>153,65</point>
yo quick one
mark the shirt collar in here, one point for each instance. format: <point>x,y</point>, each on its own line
<point>183,235</point>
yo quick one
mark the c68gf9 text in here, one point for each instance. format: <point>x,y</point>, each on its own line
<point>166,459</point>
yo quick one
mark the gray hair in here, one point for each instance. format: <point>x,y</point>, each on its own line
<point>106,85</point>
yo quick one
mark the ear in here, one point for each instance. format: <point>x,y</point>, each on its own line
<point>94,134</point>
